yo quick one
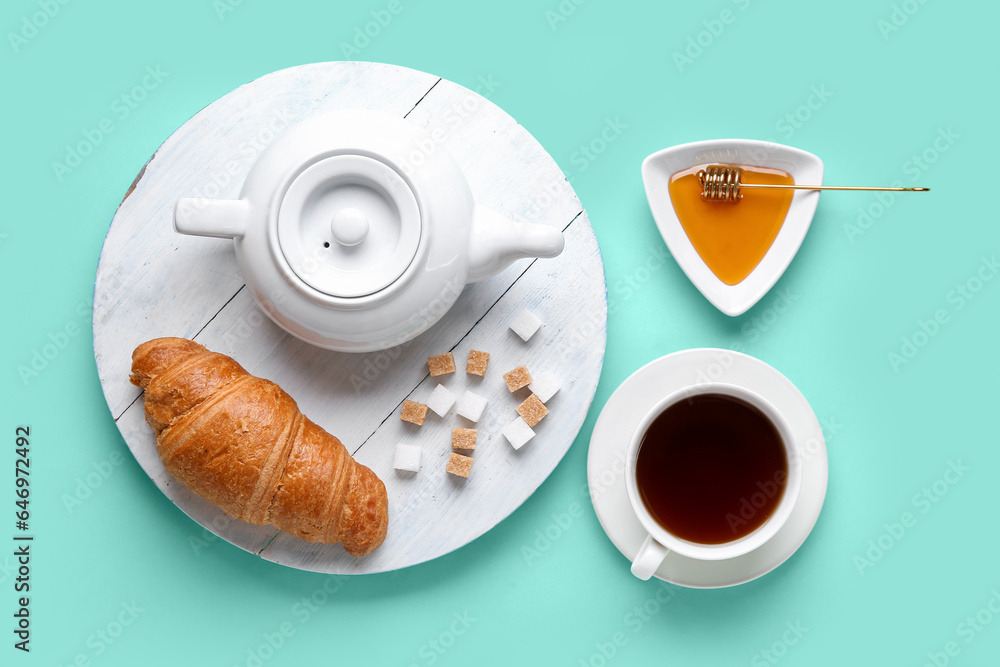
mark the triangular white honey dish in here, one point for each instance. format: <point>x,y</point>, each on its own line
<point>805,168</point>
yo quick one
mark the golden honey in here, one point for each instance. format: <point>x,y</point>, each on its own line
<point>732,237</point>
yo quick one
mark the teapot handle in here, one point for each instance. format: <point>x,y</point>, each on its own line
<point>217,218</point>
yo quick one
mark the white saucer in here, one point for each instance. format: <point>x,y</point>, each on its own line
<point>637,395</point>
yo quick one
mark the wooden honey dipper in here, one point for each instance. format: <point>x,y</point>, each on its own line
<point>722,183</point>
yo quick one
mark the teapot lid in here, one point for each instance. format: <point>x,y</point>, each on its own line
<point>348,225</point>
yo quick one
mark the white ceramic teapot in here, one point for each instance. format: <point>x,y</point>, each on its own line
<point>356,231</point>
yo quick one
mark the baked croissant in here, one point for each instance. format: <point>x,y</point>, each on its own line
<point>240,442</point>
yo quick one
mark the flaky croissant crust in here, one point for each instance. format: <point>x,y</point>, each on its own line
<point>240,442</point>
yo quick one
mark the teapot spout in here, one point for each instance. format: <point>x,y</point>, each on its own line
<point>217,218</point>
<point>497,241</point>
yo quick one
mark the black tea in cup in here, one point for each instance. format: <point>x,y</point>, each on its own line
<point>711,468</point>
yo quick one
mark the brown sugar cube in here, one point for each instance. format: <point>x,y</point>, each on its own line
<point>517,378</point>
<point>459,465</point>
<point>441,364</point>
<point>413,412</point>
<point>532,410</point>
<point>463,438</point>
<point>477,363</point>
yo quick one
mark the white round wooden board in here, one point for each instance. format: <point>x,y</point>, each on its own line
<point>152,282</point>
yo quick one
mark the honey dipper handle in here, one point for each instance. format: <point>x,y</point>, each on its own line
<point>826,187</point>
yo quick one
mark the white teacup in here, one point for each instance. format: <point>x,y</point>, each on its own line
<point>659,542</point>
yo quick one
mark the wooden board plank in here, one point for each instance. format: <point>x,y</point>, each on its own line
<point>504,164</point>
<point>355,396</point>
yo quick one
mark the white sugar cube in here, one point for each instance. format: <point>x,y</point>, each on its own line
<point>544,385</point>
<point>441,400</point>
<point>525,324</point>
<point>471,406</point>
<point>518,433</point>
<point>407,458</point>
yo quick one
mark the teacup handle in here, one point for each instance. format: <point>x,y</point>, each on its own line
<point>650,555</point>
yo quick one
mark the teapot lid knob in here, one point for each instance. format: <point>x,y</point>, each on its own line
<point>349,227</point>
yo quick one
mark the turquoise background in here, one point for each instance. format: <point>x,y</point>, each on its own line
<point>124,552</point>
